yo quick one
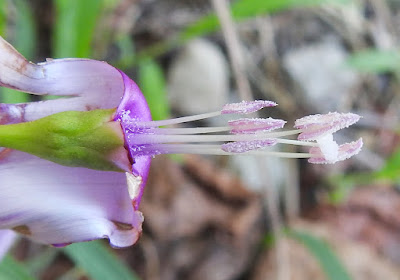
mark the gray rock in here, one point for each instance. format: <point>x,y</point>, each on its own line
<point>321,73</point>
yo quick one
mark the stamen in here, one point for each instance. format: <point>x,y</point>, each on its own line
<point>191,130</point>
<point>157,139</point>
<point>246,126</point>
<point>205,149</point>
<point>346,151</point>
<point>245,146</point>
<point>246,107</point>
<point>296,142</point>
<point>178,120</point>
<point>315,126</point>
<point>250,136</point>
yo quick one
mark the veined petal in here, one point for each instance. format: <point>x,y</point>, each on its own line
<point>7,239</point>
<point>58,205</point>
<point>91,84</point>
<point>345,151</point>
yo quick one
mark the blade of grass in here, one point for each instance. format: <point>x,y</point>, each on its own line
<point>38,263</point>
<point>126,52</point>
<point>375,61</point>
<point>10,269</point>
<point>75,26</point>
<point>3,17</point>
<point>391,170</point>
<point>152,83</point>
<point>240,10</point>
<point>25,37</point>
<point>98,262</point>
<point>330,263</point>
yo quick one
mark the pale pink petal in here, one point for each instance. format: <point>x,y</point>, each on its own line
<point>346,151</point>
<point>58,205</point>
<point>315,126</point>
<point>89,84</point>
<point>246,107</point>
<point>7,239</point>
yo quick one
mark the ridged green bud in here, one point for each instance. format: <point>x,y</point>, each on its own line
<point>78,139</point>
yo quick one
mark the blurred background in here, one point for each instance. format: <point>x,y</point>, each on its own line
<point>222,218</point>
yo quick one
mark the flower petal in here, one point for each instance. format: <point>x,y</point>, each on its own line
<point>7,239</point>
<point>315,126</point>
<point>58,205</point>
<point>346,151</point>
<point>132,108</point>
<point>11,113</point>
<point>91,84</point>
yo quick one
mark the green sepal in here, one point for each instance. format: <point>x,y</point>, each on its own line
<point>72,138</point>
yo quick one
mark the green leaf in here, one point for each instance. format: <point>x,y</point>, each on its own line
<point>330,263</point>
<point>375,61</point>
<point>98,262</point>
<point>75,27</point>
<point>152,83</point>
<point>10,269</point>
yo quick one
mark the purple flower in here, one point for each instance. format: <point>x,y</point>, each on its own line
<point>56,204</point>
<point>57,193</point>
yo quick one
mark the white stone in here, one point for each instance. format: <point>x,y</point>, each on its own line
<point>198,79</point>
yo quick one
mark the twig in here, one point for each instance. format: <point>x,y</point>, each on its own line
<point>272,197</point>
<point>234,49</point>
<point>281,249</point>
<point>152,258</point>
